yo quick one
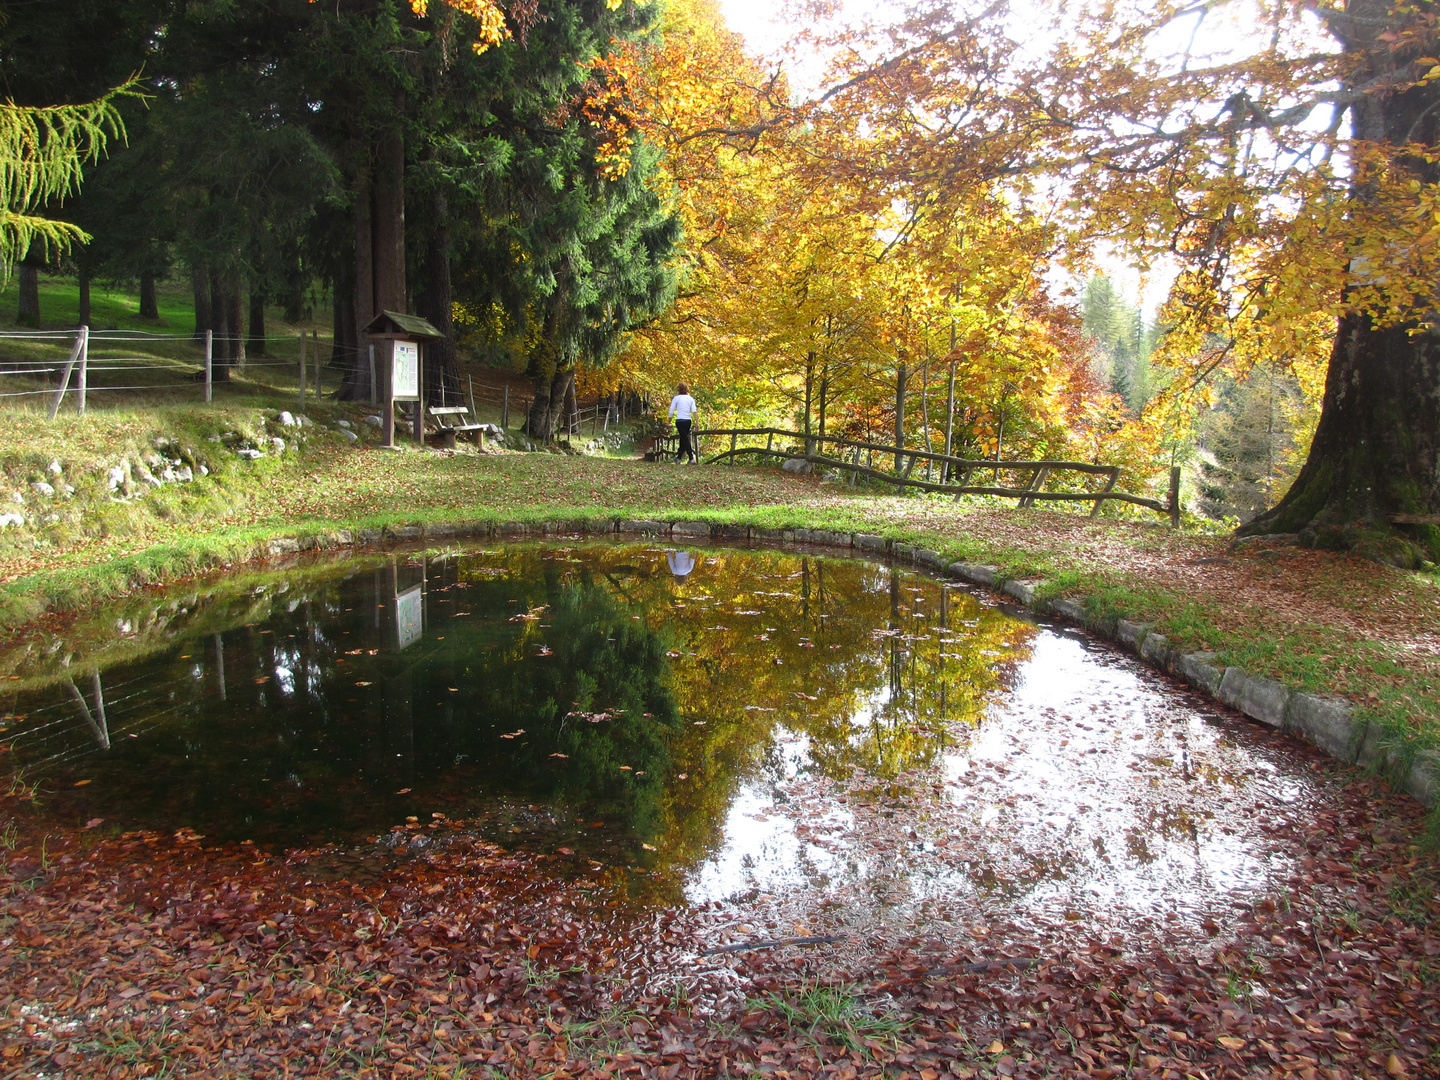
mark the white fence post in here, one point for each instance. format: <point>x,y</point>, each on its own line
<point>65,375</point>
<point>209,364</point>
<point>84,367</point>
<point>301,396</point>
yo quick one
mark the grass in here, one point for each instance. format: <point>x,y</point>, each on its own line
<point>1316,621</point>
<point>835,1013</point>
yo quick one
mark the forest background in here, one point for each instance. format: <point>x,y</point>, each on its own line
<point>608,194</point>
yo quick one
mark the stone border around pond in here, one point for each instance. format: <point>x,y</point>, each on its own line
<point>1328,723</point>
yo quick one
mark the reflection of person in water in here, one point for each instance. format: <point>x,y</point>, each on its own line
<point>681,562</point>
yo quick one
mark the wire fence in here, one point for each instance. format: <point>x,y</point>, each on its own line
<point>81,363</point>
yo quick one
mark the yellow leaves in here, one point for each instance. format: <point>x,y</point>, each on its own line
<point>492,29</point>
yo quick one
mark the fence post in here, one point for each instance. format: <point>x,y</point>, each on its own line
<point>316,335</point>
<point>84,372</point>
<point>65,375</point>
<point>372,374</point>
<point>1174,496</point>
<point>209,364</point>
<point>300,396</point>
<point>505,409</point>
<point>1109,486</point>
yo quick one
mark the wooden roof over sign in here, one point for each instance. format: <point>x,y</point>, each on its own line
<point>396,324</point>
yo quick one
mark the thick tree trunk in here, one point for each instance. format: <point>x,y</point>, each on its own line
<point>388,224</point>
<point>222,349</point>
<point>346,352</point>
<point>149,300</point>
<point>548,410</point>
<point>255,333</point>
<point>361,291</point>
<point>200,290</point>
<point>28,309</point>
<point>442,368</point>
<point>84,281</point>
<point>235,317</point>
<point>1371,482</point>
<point>1376,451</point>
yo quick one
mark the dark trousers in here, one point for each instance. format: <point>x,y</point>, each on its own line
<point>686,450</point>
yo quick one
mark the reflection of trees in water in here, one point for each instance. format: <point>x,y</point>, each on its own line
<point>292,704</point>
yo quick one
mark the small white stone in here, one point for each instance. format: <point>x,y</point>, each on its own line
<point>17,497</point>
<point>287,420</point>
<point>278,444</point>
<point>204,470</point>
<point>117,477</point>
<point>6,520</point>
<point>374,421</point>
<point>343,424</point>
<point>249,455</point>
<point>40,487</point>
<point>350,436</point>
<point>184,474</point>
<point>55,468</point>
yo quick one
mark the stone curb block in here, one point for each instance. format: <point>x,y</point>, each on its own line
<point>1156,649</point>
<point>1024,591</point>
<point>1326,722</point>
<point>869,542</point>
<point>1131,634</point>
<point>690,528</point>
<point>641,527</point>
<point>1260,699</point>
<point>976,573</point>
<point>1068,609</point>
<point>1197,670</point>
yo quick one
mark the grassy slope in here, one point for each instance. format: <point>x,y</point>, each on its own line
<point>1315,620</point>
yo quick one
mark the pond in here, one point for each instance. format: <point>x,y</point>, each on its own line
<point>704,724</point>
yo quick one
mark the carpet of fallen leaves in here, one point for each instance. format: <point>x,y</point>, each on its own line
<point>149,955</point>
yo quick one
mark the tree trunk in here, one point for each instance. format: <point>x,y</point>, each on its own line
<point>235,318</point>
<point>222,355</point>
<point>901,377</point>
<point>356,384</point>
<point>255,334</point>
<point>388,224</point>
<point>572,408</point>
<point>28,309</point>
<point>442,368</point>
<point>548,410</point>
<point>809,396</point>
<point>346,353</point>
<point>84,281</point>
<point>200,290</point>
<point>1375,456</point>
<point>149,301</point>
<point>1376,450</point>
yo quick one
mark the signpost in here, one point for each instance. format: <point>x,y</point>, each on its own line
<point>398,342</point>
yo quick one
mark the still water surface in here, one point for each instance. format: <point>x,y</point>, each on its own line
<point>717,723</point>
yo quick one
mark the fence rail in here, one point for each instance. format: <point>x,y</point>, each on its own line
<point>802,447</point>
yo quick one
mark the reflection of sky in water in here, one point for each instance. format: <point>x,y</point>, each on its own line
<point>787,725</point>
<point>1090,783</point>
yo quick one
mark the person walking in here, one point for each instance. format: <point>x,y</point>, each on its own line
<point>682,411</point>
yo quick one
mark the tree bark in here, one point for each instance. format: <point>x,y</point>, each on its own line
<point>356,384</point>
<point>28,309</point>
<point>149,301</point>
<point>200,290</point>
<point>901,377</point>
<point>442,367</point>
<point>388,224</point>
<point>1376,450</point>
<point>84,282</point>
<point>222,355</point>
<point>255,333</point>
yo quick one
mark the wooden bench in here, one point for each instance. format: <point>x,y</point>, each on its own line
<point>448,432</point>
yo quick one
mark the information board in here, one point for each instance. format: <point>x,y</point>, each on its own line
<point>410,615</point>
<point>405,380</point>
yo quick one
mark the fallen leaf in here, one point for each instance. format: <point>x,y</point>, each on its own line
<point>1229,1042</point>
<point>81,783</point>
<point>996,1047</point>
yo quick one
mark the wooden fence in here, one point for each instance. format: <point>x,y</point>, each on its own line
<point>955,473</point>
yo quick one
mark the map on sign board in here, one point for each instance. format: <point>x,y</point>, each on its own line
<point>405,382</point>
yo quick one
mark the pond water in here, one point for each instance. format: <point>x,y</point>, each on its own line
<point>707,724</point>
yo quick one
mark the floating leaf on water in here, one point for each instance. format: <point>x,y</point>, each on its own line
<point>81,783</point>
<point>403,791</point>
<point>363,682</point>
<point>648,847</point>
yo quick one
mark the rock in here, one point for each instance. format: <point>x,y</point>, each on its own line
<point>55,468</point>
<point>798,466</point>
<point>690,528</point>
<point>69,490</point>
<point>975,573</point>
<point>492,431</point>
<point>1260,699</point>
<point>1156,649</point>
<point>146,476</point>
<point>40,487</point>
<point>17,497</point>
<point>1073,610</point>
<point>286,419</point>
<point>278,445</point>
<point>1326,722</point>
<point>631,526</point>
<point>204,470</point>
<point>868,542</point>
<point>8,519</point>
<point>374,421</point>
<point>1130,634</point>
<point>248,454</point>
<point>116,478</point>
<point>184,474</point>
<point>1197,670</point>
<point>1024,591</point>
<point>349,436</point>
<point>345,424</point>
<point>154,461</point>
